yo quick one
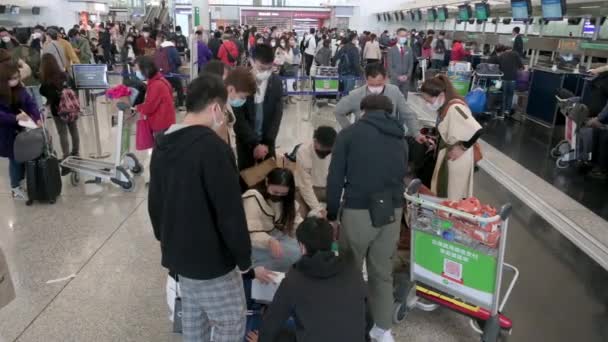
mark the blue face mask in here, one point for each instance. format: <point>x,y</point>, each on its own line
<point>235,103</point>
<point>139,75</point>
<point>402,40</point>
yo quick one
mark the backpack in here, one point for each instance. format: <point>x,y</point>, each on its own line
<point>440,47</point>
<point>161,60</point>
<point>69,106</point>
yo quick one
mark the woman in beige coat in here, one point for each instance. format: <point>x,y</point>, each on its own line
<point>458,134</point>
<point>272,220</point>
<point>371,51</point>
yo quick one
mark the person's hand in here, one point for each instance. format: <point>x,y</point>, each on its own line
<point>77,50</point>
<point>39,123</point>
<point>594,72</point>
<point>263,275</point>
<point>252,336</point>
<point>402,78</point>
<point>455,152</point>
<point>595,123</point>
<point>322,213</point>
<point>421,138</point>
<point>276,250</point>
<point>260,152</point>
<point>22,116</point>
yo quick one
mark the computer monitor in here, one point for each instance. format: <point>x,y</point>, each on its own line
<point>431,14</point>
<point>588,28</point>
<point>90,76</point>
<point>521,10</point>
<point>553,9</point>
<point>36,10</point>
<point>482,11</point>
<point>442,14</point>
<point>464,12</point>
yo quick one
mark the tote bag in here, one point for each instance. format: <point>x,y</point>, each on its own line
<point>144,139</point>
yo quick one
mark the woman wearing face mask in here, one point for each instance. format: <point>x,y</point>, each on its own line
<point>16,105</point>
<point>158,107</point>
<point>128,50</point>
<point>271,219</point>
<point>281,56</point>
<point>458,134</point>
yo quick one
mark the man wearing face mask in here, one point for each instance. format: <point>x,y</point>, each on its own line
<point>349,63</point>
<point>401,62</point>
<point>81,46</point>
<point>312,167</point>
<point>7,42</point>
<point>197,214</point>
<point>259,119</point>
<point>375,75</point>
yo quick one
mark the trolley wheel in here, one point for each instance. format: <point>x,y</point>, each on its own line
<point>133,164</point>
<point>75,178</point>
<point>400,312</point>
<point>560,149</point>
<point>52,201</point>
<point>128,186</point>
<point>561,163</point>
<point>29,202</point>
<point>555,153</point>
<point>124,180</point>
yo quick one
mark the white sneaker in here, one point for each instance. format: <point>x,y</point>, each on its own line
<point>19,193</point>
<point>381,335</point>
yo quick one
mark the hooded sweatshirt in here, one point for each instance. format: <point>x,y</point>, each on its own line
<point>195,205</point>
<point>368,158</point>
<point>326,295</point>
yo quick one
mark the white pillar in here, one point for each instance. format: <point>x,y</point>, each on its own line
<point>200,14</point>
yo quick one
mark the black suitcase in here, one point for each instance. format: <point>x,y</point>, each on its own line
<point>43,179</point>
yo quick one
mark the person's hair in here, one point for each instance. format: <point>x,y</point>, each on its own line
<point>50,72</point>
<point>72,33</point>
<point>253,30</point>
<point>22,37</point>
<point>284,177</point>
<point>516,29</point>
<point>375,69</point>
<point>325,135</point>
<point>352,36</point>
<point>430,32</point>
<point>440,84</point>
<point>373,37</point>
<point>376,102</point>
<point>316,234</point>
<point>83,33</point>
<point>427,42</point>
<point>178,28</point>
<point>312,30</point>
<point>203,91</point>
<point>326,43</point>
<point>500,48</point>
<point>217,34</point>
<point>52,33</point>
<point>442,33</point>
<point>242,79</point>
<point>8,95</point>
<point>402,29</point>
<point>146,66</point>
<point>214,67</point>
<point>101,25</point>
<point>263,53</point>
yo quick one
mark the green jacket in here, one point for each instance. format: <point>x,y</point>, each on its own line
<point>84,48</point>
<point>32,58</point>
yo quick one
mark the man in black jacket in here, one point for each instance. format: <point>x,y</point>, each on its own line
<point>258,121</point>
<point>324,293</point>
<point>369,166</point>
<point>518,42</point>
<point>196,211</point>
<point>214,43</point>
<point>105,40</point>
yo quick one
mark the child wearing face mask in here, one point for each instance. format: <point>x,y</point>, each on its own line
<point>271,219</point>
<point>458,135</point>
<point>16,105</point>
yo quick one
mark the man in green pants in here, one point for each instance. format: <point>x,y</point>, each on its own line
<point>369,166</point>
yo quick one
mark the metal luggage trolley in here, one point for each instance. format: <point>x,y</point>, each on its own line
<point>451,269</point>
<point>486,80</point>
<point>567,150</point>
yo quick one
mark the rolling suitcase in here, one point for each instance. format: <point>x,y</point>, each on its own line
<point>43,179</point>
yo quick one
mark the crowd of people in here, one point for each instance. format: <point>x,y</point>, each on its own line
<point>217,232</point>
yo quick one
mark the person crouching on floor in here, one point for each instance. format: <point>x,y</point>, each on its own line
<point>323,292</point>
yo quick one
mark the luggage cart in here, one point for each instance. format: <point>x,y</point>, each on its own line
<point>578,140</point>
<point>487,82</point>
<point>449,268</point>
<point>115,172</point>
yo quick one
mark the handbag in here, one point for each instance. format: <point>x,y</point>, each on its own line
<point>256,174</point>
<point>381,209</point>
<point>29,145</point>
<point>144,139</point>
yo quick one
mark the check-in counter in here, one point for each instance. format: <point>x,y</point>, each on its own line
<point>541,98</point>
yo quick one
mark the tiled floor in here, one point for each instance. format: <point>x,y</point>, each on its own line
<point>103,235</point>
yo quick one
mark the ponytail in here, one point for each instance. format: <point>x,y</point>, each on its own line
<point>440,84</point>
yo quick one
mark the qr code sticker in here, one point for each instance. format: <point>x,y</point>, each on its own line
<point>452,269</point>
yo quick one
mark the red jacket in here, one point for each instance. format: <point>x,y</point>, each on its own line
<point>158,105</point>
<point>458,52</point>
<point>142,44</point>
<point>228,46</point>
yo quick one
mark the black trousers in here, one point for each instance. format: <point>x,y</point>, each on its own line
<point>600,148</point>
<point>308,60</point>
<point>176,83</point>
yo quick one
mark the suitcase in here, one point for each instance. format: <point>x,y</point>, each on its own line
<point>43,179</point>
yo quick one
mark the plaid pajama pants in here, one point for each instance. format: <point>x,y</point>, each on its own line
<point>213,310</point>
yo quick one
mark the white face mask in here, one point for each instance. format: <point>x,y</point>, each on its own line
<point>146,34</point>
<point>263,75</point>
<point>438,103</point>
<point>273,44</point>
<point>282,44</point>
<point>36,35</point>
<point>13,83</point>
<point>375,90</point>
<point>6,39</point>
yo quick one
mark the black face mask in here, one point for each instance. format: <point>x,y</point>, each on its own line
<point>322,154</point>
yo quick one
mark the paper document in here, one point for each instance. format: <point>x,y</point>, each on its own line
<point>265,292</point>
<point>28,124</point>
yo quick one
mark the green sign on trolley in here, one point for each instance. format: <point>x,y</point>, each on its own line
<point>464,271</point>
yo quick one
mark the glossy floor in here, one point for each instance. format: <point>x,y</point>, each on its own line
<point>103,236</point>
